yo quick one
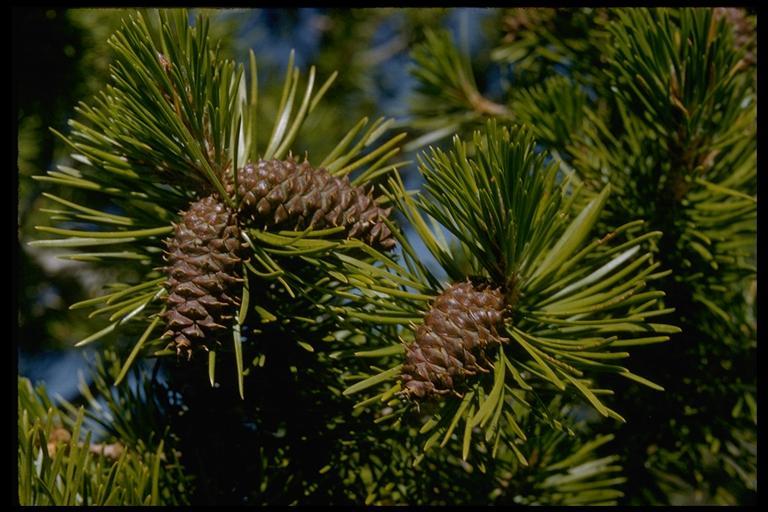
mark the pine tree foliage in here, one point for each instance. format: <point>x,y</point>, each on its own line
<point>573,39</point>
<point>569,303</point>
<point>173,126</point>
<point>605,205</point>
<point>560,469</point>
<point>447,95</point>
<point>538,45</point>
<point>660,105</point>
<point>688,164</point>
<point>281,264</point>
<point>111,453</point>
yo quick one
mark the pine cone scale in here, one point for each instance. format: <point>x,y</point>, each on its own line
<point>451,343</point>
<point>284,194</point>
<point>204,268</point>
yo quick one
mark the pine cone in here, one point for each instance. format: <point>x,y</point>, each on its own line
<point>203,273</point>
<point>287,195</point>
<point>453,341</point>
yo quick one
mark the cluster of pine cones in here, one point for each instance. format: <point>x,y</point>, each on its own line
<point>204,270</point>
<point>205,253</point>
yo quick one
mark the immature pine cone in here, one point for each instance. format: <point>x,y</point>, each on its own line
<point>203,275</point>
<point>287,195</point>
<point>453,340</point>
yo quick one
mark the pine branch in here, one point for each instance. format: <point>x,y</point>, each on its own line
<point>61,464</point>
<point>174,129</point>
<point>679,149</point>
<point>447,95</point>
<point>567,302</point>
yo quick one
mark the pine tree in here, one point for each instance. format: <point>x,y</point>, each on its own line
<point>275,335</point>
<point>670,125</point>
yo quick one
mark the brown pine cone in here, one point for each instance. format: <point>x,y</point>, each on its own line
<point>453,341</point>
<point>286,195</point>
<point>204,275</point>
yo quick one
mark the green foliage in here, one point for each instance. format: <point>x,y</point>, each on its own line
<point>447,95</point>
<point>571,300</point>
<point>561,469</point>
<point>692,66</point>
<point>175,120</point>
<point>706,143</point>
<point>553,110</point>
<point>551,468</point>
<point>659,104</point>
<point>670,127</point>
<point>71,63</point>
<point>620,162</point>
<point>61,464</point>
<point>542,48</point>
<point>540,42</point>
